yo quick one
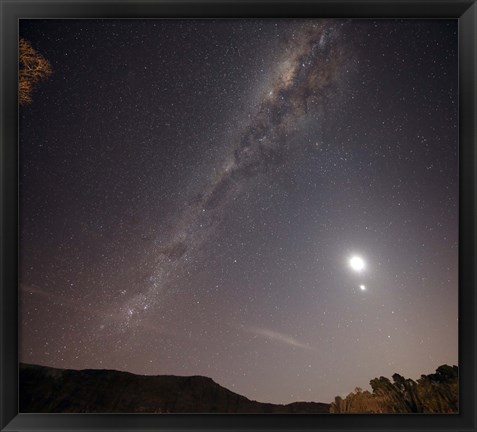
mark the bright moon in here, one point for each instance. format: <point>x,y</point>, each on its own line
<point>363,287</point>
<point>357,263</point>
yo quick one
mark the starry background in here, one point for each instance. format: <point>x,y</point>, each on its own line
<point>191,192</point>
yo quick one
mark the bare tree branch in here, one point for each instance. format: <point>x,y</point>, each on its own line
<point>33,67</point>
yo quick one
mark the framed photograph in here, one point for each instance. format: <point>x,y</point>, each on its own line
<point>238,216</point>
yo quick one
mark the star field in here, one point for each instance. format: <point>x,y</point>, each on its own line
<point>192,193</point>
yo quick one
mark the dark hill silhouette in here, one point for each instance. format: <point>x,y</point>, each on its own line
<point>49,390</point>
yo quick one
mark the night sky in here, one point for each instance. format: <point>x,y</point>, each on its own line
<point>192,193</point>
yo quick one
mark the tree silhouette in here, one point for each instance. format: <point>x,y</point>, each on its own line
<point>434,393</point>
<point>440,390</point>
<point>33,67</point>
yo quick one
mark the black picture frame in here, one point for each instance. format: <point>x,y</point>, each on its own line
<point>464,10</point>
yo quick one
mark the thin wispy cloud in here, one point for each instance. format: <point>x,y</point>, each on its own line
<point>278,337</point>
